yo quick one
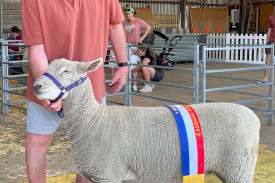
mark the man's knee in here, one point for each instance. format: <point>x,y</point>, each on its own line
<point>36,142</point>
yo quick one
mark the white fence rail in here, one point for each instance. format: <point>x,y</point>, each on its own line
<point>255,55</point>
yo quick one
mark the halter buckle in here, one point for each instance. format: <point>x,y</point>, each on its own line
<point>80,81</point>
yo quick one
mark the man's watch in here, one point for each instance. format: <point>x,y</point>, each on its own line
<point>125,64</point>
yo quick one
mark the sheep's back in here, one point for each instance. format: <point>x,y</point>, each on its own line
<point>231,136</point>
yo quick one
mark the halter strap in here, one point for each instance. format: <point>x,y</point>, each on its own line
<point>63,90</point>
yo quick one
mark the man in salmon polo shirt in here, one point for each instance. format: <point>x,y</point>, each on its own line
<point>76,30</point>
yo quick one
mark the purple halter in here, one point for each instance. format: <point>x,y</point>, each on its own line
<point>63,90</point>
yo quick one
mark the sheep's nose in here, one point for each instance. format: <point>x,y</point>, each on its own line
<point>37,87</point>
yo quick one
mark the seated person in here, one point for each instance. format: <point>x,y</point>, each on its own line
<point>14,36</point>
<point>148,57</point>
<point>134,59</point>
<point>112,57</point>
<point>15,49</point>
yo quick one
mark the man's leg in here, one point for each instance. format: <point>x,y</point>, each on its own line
<point>36,148</point>
<point>41,124</point>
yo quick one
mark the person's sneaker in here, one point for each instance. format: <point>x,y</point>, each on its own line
<point>152,86</point>
<point>135,88</point>
<point>146,88</point>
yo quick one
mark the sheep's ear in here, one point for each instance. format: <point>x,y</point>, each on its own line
<point>90,66</point>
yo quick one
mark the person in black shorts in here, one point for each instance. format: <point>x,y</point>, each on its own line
<point>149,57</point>
<point>270,39</point>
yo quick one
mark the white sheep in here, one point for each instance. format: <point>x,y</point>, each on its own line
<point>114,144</point>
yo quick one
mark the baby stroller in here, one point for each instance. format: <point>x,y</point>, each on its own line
<point>166,52</point>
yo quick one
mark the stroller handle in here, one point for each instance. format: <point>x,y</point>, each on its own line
<point>161,35</point>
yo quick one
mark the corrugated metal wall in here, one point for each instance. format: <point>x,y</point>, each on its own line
<point>10,15</point>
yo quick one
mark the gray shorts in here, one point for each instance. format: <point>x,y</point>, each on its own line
<point>159,75</point>
<point>268,50</point>
<point>43,122</point>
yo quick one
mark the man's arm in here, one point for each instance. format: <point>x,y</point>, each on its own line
<point>38,61</point>
<point>148,28</point>
<point>268,34</point>
<point>117,38</point>
<point>38,66</point>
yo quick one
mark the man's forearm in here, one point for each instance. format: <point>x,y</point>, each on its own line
<point>148,28</point>
<point>268,34</point>
<point>38,61</point>
<point>118,42</point>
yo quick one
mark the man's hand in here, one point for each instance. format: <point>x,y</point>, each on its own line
<point>54,106</point>
<point>140,40</point>
<point>119,79</point>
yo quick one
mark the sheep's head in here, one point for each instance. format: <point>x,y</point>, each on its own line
<point>65,72</point>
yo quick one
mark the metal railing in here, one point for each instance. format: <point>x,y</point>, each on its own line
<point>128,91</point>
<point>199,72</point>
<point>241,67</point>
<point>6,64</point>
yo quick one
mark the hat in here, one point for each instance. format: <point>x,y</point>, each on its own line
<point>129,10</point>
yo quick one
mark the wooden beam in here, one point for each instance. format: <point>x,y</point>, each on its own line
<point>182,12</point>
<point>243,16</point>
<point>167,2</point>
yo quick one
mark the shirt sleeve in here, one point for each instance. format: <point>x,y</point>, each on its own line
<point>143,24</point>
<point>116,15</point>
<point>31,26</point>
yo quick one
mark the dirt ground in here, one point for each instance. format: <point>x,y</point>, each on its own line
<point>59,159</point>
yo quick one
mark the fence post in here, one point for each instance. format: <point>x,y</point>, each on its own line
<point>255,39</point>
<point>227,41</point>
<point>127,98</point>
<point>196,73</point>
<point>271,88</point>
<point>203,53</point>
<point>5,81</point>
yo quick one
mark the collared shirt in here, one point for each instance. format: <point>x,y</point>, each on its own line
<point>271,24</point>
<point>73,29</point>
<point>14,48</point>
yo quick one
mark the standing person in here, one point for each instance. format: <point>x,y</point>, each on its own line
<point>269,39</point>
<point>148,57</point>
<point>133,27</point>
<point>72,29</point>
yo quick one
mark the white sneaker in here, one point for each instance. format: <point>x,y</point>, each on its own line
<point>135,88</point>
<point>146,88</point>
<point>152,86</point>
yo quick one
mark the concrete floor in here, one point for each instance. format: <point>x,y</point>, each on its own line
<point>267,133</point>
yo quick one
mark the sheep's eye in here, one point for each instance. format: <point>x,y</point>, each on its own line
<point>66,71</point>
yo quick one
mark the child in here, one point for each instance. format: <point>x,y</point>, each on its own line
<point>134,59</point>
